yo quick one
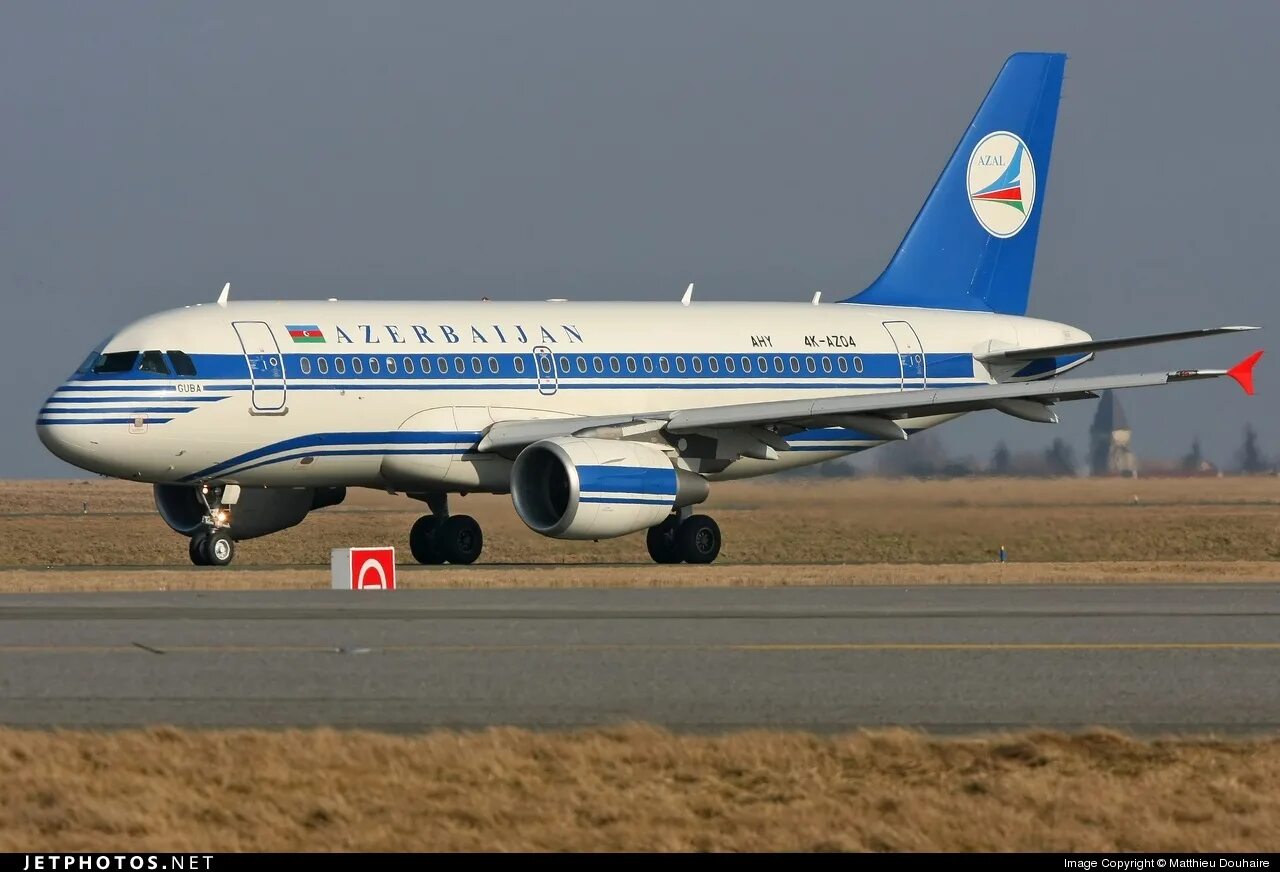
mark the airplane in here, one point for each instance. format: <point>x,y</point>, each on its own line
<point>600,419</point>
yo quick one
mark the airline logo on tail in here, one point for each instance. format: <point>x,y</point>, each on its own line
<point>1001,183</point>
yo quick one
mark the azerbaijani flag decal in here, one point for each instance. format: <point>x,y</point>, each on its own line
<point>305,332</point>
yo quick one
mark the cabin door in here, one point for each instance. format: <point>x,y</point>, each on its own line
<point>266,365</point>
<point>911,361</point>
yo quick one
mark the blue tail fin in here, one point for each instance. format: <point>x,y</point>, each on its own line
<point>973,244</point>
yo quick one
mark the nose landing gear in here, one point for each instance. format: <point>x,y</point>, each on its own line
<point>212,545</point>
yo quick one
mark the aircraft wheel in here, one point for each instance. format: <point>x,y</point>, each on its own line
<point>698,539</point>
<point>422,541</point>
<point>661,541</point>
<point>218,549</point>
<point>459,539</point>
<point>195,548</point>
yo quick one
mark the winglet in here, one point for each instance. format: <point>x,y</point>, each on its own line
<point>226,292</point>
<point>1242,372</point>
<point>688,295</point>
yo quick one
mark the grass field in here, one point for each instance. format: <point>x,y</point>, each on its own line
<point>633,788</point>
<point>799,521</point>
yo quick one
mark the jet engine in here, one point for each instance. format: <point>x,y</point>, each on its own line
<point>573,488</point>
<point>257,511</point>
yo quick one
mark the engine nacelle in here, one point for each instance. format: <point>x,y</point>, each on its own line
<point>574,488</point>
<point>257,511</point>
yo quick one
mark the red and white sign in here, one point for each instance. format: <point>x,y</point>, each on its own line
<point>364,568</point>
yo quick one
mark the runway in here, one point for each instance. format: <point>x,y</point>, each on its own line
<point>1149,658</point>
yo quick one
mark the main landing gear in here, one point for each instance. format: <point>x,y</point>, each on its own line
<point>688,539</point>
<point>443,538</point>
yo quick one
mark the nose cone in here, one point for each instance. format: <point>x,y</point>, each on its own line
<point>65,439</point>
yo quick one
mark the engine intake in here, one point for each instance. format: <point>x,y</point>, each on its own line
<point>574,488</point>
<point>258,511</point>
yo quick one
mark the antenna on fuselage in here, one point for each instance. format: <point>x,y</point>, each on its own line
<point>688,295</point>
<point>817,295</point>
<point>226,292</point>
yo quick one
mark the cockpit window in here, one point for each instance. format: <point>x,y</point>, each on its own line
<point>116,361</point>
<point>182,363</point>
<point>153,361</point>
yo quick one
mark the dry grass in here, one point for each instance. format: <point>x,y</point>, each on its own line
<point>794,522</point>
<point>633,788</point>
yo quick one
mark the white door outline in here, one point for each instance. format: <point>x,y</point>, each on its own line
<point>266,365</point>
<point>912,370</point>
<point>544,364</point>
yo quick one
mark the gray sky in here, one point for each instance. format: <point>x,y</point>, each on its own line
<point>590,150</point>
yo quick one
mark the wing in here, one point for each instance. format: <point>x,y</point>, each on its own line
<point>875,413</point>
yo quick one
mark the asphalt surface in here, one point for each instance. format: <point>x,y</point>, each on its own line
<point>1149,658</point>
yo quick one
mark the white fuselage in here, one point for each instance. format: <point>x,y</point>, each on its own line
<point>397,394</point>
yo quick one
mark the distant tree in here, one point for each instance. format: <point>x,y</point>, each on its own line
<point>1193,460</point>
<point>1060,458</point>
<point>921,456</point>
<point>1001,460</point>
<point>1250,455</point>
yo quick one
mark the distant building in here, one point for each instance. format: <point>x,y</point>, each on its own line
<point>1109,451</point>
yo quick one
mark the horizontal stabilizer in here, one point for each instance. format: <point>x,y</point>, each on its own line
<point>1022,354</point>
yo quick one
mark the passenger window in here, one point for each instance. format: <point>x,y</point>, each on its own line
<point>728,363</point>
<point>648,364</point>
<point>679,363</point>
<point>493,365</point>
<point>746,363</point>
<point>795,364</point>
<point>116,361</point>
<point>566,365</point>
<point>424,365</point>
<point>182,363</point>
<point>810,365</point>
<point>322,364</point>
<point>697,364</point>
<point>663,364</point>
<point>339,365</point>
<point>826,364</point>
<point>777,364</point>
<point>582,364</point>
<point>518,362</point>
<point>613,365</point>
<point>459,366</point>
<point>442,365</point>
<point>475,364</point>
<point>305,363</point>
<point>713,363</point>
<point>357,365</point>
<point>631,364</point>
<point>842,364</point>
<point>153,362</point>
<point>374,366</point>
<point>857,363</point>
<point>391,365</point>
<point>408,365</point>
<point>762,364</point>
<point>597,364</point>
